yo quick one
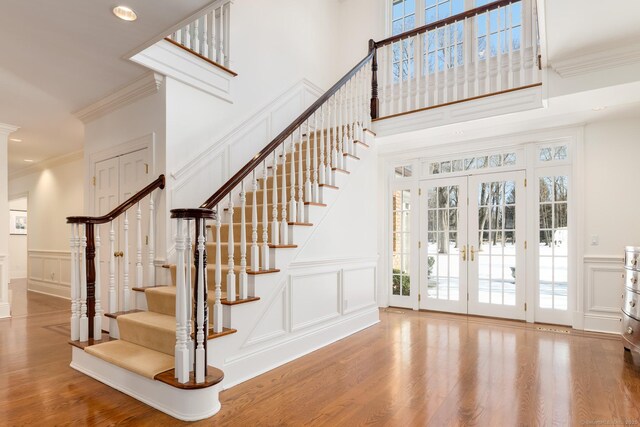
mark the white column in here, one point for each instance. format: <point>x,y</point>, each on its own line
<point>5,310</point>
<point>97,318</point>
<point>181,350</point>
<point>201,363</point>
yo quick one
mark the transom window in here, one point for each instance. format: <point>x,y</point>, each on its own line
<point>553,153</point>
<point>473,162</point>
<point>405,171</point>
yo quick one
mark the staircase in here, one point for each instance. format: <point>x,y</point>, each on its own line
<point>169,344</point>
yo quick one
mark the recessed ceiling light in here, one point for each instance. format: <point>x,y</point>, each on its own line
<point>458,132</point>
<point>15,140</point>
<point>603,107</point>
<point>125,13</point>
<point>28,160</point>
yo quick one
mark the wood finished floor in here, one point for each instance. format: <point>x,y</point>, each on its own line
<point>412,369</point>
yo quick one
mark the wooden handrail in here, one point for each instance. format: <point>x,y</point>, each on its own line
<point>446,21</point>
<point>157,183</point>
<point>236,179</point>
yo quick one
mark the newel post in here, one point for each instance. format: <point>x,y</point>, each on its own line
<point>375,102</point>
<point>91,277</point>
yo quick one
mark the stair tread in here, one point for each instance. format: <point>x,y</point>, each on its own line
<point>133,357</point>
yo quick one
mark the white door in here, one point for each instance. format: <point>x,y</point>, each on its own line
<point>472,245</point>
<point>443,260</point>
<point>497,244</point>
<point>117,179</point>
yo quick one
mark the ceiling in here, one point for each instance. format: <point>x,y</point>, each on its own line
<point>578,27</point>
<point>60,56</point>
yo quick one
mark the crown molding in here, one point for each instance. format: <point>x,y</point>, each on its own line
<point>597,61</point>
<point>47,164</point>
<point>6,129</point>
<point>147,84</point>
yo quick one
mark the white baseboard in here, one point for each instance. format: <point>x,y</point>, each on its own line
<point>5,310</point>
<point>47,288</point>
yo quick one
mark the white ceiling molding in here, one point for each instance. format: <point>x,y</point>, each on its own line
<point>6,129</point>
<point>47,164</point>
<point>597,61</point>
<point>147,84</point>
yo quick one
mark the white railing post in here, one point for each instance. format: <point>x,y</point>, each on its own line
<point>307,183</point>
<point>323,133</point>
<point>201,362</point>
<point>189,280</point>
<point>255,251</point>
<point>231,274</point>
<point>284,228</point>
<point>139,268</point>
<point>217,305</point>
<point>84,320</point>
<point>265,220</point>
<point>293,211</point>
<point>75,285</point>
<point>97,318</point>
<point>151,243</point>
<point>314,183</point>
<point>181,350</point>
<point>275,225</point>
<point>243,244</point>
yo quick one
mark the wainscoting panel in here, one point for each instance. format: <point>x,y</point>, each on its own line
<point>603,290</point>
<point>359,288</point>
<point>49,272</point>
<point>273,323</point>
<point>315,298</point>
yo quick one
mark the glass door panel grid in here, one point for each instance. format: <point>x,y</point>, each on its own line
<point>443,251</point>
<point>553,255</point>
<point>497,243</point>
<point>401,242</point>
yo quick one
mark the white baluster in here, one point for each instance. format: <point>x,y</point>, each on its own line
<point>177,36</point>
<point>265,220</point>
<point>231,275</point>
<point>293,212</point>
<point>417,67</point>
<point>97,318</point>
<point>300,204</point>
<point>227,32</point>
<point>152,243</point>
<point>334,136</point>
<point>455,64</point>
<point>487,57</point>
<point>351,98</point>
<point>476,59</point>
<point>466,49</point>
<point>189,280</point>
<point>244,285</point>
<point>113,296</point>
<point>139,269</point>
<point>314,182</point>
<point>211,50</point>
<point>255,252</point>
<point>204,41</point>
<point>307,183</point>
<point>323,141</point>
<point>219,57</point>
<point>446,32</point>
<point>181,350</point>
<point>201,363</point>
<point>275,225</point>
<point>436,71</point>
<point>75,284</point>
<point>84,320</point>
<point>341,133</point>
<point>327,172</point>
<point>509,19</point>
<point>125,265</point>
<point>427,75</point>
<point>499,53</point>
<point>284,227</point>
<point>217,305</point>
<point>195,46</point>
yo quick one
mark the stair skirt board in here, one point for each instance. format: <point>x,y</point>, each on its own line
<point>243,367</point>
<point>185,405</point>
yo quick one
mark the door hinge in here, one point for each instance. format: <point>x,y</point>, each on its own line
<point>525,182</point>
<point>419,297</point>
<point>467,296</point>
<point>419,191</point>
<point>525,306</point>
<point>146,168</point>
<point>419,244</point>
<point>467,200</point>
<point>93,181</point>
<point>146,240</point>
<point>525,244</point>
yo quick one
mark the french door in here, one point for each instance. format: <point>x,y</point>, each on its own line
<point>472,244</point>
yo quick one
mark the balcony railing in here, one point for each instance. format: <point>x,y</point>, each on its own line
<point>208,35</point>
<point>487,50</point>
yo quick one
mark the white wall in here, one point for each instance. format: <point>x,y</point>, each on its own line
<point>54,193</point>
<point>18,245</point>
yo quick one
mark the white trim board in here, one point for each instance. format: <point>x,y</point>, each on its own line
<point>597,61</point>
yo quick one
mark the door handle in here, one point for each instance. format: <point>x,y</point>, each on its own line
<point>473,253</point>
<point>117,254</point>
<point>464,252</point>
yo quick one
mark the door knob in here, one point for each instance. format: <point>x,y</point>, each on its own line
<point>464,252</point>
<point>117,254</point>
<point>629,330</point>
<point>473,253</point>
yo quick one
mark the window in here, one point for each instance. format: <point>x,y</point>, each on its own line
<point>553,242</point>
<point>405,171</point>
<point>553,153</point>
<point>401,242</point>
<point>472,162</point>
<point>498,28</point>
<point>403,19</point>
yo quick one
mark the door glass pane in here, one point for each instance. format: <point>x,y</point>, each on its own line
<point>553,261</point>
<point>496,248</point>
<point>443,251</point>
<point>401,242</point>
